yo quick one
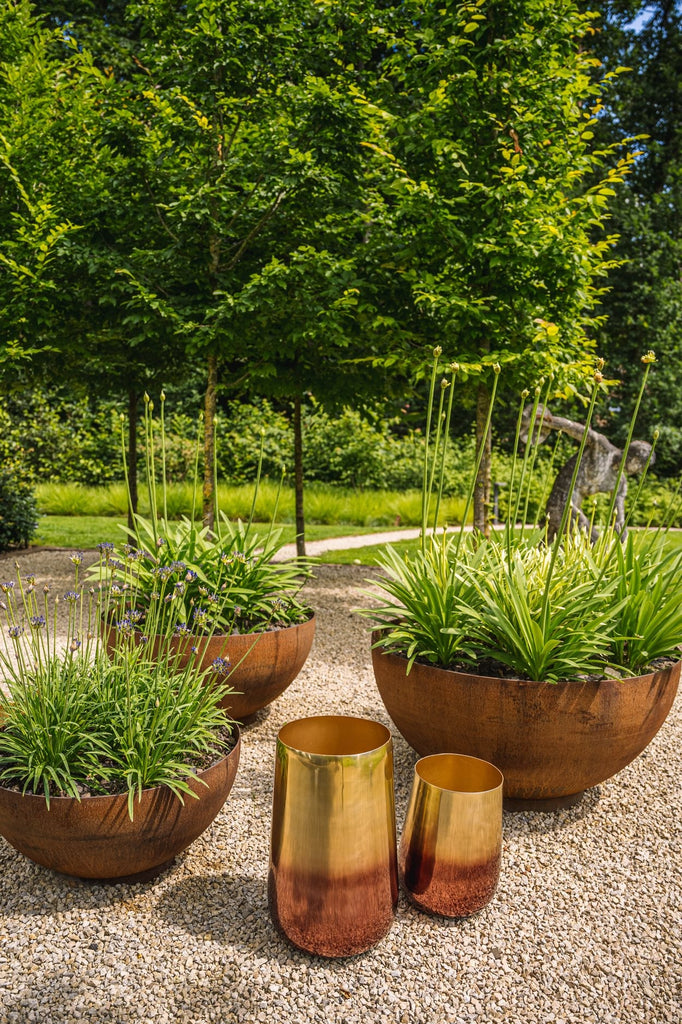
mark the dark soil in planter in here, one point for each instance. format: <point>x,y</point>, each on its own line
<point>493,669</point>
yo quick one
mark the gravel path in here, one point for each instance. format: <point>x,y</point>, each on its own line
<point>585,925</point>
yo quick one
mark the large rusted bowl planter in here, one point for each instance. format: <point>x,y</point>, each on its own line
<point>551,741</point>
<point>262,664</point>
<point>95,838</point>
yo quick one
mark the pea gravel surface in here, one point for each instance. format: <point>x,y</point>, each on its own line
<point>586,923</point>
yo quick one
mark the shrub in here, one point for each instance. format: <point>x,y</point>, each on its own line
<point>64,438</point>
<point>18,510</point>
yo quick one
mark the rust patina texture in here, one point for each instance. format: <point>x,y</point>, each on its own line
<point>95,838</point>
<point>262,664</point>
<point>551,741</point>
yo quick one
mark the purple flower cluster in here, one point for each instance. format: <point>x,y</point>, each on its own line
<point>221,666</point>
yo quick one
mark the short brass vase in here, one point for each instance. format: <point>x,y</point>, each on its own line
<point>333,882</point>
<point>451,844</point>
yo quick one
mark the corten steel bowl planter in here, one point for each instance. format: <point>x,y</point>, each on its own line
<point>551,741</point>
<point>333,881</point>
<point>263,664</point>
<point>450,848</point>
<point>95,838</point>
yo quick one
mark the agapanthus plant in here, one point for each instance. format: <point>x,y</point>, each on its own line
<point>520,604</point>
<point>78,719</point>
<point>219,580</point>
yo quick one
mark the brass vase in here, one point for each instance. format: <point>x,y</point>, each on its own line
<point>333,881</point>
<point>452,840</point>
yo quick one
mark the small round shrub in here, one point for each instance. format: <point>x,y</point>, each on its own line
<point>18,510</point>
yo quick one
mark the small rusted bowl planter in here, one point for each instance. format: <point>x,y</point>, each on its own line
<point>551,741</point>
<point>262,664</point>
<point>95,838</point>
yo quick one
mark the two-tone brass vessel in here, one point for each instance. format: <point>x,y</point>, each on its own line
<point>451,844</point>
<point>333,880</point>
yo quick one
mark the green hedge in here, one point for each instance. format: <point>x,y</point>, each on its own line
<point>18,508</point>
<point>60,441</point>
<point>74,441</point>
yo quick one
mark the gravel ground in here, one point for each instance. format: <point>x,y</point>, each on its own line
<point>585,925</point>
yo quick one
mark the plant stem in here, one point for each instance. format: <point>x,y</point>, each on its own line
<point>425,479</point>
<point>479,459</point>
<point>567,508</point>
<point>446,437</point>
<point>257,484</point>
<point>163,458</point>
<point>631,430</point>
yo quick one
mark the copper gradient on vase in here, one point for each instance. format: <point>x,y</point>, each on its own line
<point>551,741</point>
<point>262,664</point>
<point>94,838</point>
<point>451,844</point>
<point>333,880</point>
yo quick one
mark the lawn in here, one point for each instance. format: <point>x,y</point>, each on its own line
<point>368,555</point>
<point>85,532</point>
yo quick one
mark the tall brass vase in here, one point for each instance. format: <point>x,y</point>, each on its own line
<point>333,882</point>
<point>451,844</point>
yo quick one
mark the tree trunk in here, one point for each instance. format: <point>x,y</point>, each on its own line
<point>298,479</point>
<point>209,442</point>
<point>483,477</point>
<point>132,456</point>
